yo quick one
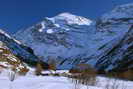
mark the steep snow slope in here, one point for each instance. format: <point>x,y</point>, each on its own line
<point>72,39</point>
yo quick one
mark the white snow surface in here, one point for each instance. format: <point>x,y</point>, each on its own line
<point>2,32</point>
<point>49,31</point>
<point>72,19</point>
<point>43,27</point>
<point>31,81</point>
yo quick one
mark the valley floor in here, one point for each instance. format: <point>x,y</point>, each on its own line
<point>31,81</point>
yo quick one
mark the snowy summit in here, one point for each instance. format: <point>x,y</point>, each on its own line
<point>72,39</point>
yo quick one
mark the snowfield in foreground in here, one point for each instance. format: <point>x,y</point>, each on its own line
<point>31,81</point>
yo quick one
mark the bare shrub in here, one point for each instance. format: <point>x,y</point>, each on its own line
<point>52,64</point>
<point>84,74</point>
<point>76,84</point>
<point>39,69</point>
<point>114,84</point>
<point>122,75</point>
<point>23,71</point>
<point>126,75</point>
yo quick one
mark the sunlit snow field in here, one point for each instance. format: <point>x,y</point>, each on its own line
<point>30,81</point>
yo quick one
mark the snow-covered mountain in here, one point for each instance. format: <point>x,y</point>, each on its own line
<point>71,39</point>
<point>61,37</point>
<point>17,50</point>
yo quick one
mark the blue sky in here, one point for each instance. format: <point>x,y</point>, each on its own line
<point>20,14</point>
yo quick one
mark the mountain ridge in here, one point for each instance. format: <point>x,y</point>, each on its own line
<point>71,43</point>
<point>19,50</point>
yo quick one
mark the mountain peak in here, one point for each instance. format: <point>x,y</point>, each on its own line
<point>66,14</point>
<point>73,19</point>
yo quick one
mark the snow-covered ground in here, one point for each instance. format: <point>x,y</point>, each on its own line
<point>31,81</point>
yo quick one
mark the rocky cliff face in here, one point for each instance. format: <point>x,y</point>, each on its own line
<point>70,40</point>
<point>120,57</point>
